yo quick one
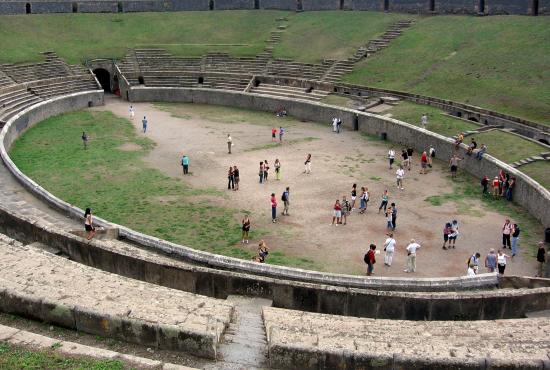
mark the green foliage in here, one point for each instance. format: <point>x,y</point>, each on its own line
<point>539,171</point>
<point>508,147</point>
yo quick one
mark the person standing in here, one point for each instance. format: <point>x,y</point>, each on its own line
<point>399,175</point>
<point>515,237</point>
<point>501,261</point>
<point>89,224</point>
<point>245,228</point>
<point>286,200</point>
<point>389,218</point>
<point>389,248</point>
<point>496,187</point>
<point>307,164</point>
<point>506,232</point>
<point>261,172</point>
<point>393,216</point>
<point>391,157</point>
<point>185,164</point>
<point>273,208</point>
<point>431,156</point>
<point>281,133</point>
<point>410,152</point>
<point>510,190</point>
<point>485,185</point>
<point>273,134</point>
<point>144,124</point>
<point>266,170</point>
<point>230,179</point>
<point>446,233</point>
<point>473,261</point>
<point>453,162</point>
<point>236,177</point>
<point>541,259</point>
<point>411,256</point>
<point>85,140</point>
<point>424,120</point>
<point>338,125</point>
<point>334,124</point>
<point>384,203</point>
<point>454,234</point>
<point>364,199</point>
<point>345,210</point>
<point>132,112</point>
<point>370,259</point>
<point>491,261</point>
<point>337,213</point>
<point>277,169</point>
<point>405,157</point>
<point>353,196</point>
<point>229,143</point>
<point>424,163</point>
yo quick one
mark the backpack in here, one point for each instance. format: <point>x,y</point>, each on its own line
<point>283,197</point>
<point>366,258</point>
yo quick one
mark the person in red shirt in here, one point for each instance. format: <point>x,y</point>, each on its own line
<point>496,187</point>
<point>370,259</point>
<point>273,134</point>
<point>424,163</point>
<point>273,208</point>
<point>337,214</point>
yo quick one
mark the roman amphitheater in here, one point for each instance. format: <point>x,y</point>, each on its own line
<point>167,284</point>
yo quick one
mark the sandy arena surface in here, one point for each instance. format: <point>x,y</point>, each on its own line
<point>338,161</point>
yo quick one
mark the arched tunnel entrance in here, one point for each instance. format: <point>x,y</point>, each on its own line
<point>104,78</point>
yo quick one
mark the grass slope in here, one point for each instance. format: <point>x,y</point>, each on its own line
<point>501,63</point>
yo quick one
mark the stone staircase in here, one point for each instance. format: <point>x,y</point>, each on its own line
<point>289,92</point>
<point>5,80</point>
<point>545,156</point>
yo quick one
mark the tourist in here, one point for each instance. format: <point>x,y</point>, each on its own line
<point>491,261</point>
<point>230,179</point>
<point>364,199</point>
<point>506,232</point>
<point>261,172</point>
<point>384,203</point>
<point>277,166</point>
<point>399,175</point>
<point>273,134</point>
<point>286,200</point>
<point>389,248</point>
<point>307,164</point>
<point>245,228</point>
<point>505,184</point>
<point>370,259</point>
<point>338,125</point>
<point>496,187</point>
<point>459,140</point>
<point>471,147</point>
<point>391,157</point>
<point>263,251</point>
<point>410,152</point>
<point>453,162</point>
<point>471,271</point>
<point>446,232</point>
<point>353,196</point>
<point>510,189</point>
<point>266,170</point>
<point>236,177</point>
<point>89,224</point>
<point>273,208</point>
<point>485,184</point>
<point>501,261</point>
<point>502,181</point>
<point>405,157</point>
<point>393,216</point>
<point>132,112</point>
<point>424,163</point>
<point>334,124</point>
<point>85,140</point>
<point>185,164</point>
<point>481,151</point>
<point>345,210</point>
<point>389,218</point>
<point>281,112</point>
<point>411,256</point>
<point>515,237</point>
<point>541,259</point>
<point>144,124</point>
<point>474,261</point>
<point>337,213</point>
<point>229,143</point>
<point>431,156</point>
<point>281,133</point>
<point>424,120</point>
<point>454,234</point>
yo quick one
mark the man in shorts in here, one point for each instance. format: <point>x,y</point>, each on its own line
<point>405,157</point>
<point>144,124</point>
<point>281,133</point>
<point>273,134</point>
<point>400,174</point>
<point>453,162</point>
<point>286,200</point>
<point>391,157</point>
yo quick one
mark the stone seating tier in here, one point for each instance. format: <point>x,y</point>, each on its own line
<point>288,91</point>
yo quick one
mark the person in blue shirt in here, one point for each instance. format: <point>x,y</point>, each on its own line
<point>185,164</point>
<point>281,133</point>
<point>144,122</point>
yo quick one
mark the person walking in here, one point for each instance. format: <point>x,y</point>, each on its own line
<point>515,237</point>
<point>266,170</point>
<point>245,228</point>
<point>144,124</point>
<point>389,248</point>
<point>384,202</point>
<point>424,120</point>
<point>307,164</point>
<point>286,200</point>
<point>501,261</point>
<point>89,224</point>
<point>261,172</point>
<point>277,166</point>
<point>353,196</point>
<point>345,210</point>
<point>230,179</point>
<point>185,164</point>
<point>85,140</point>
<point>281,133</point>
<point>541,259</point>
<point>506,232</point>
<point>229,143</point>
<point>273,208</point>
<point>411,256</point>
<point>446,233</point>
<point>424,163</point>
<point>453,162</point>
<point>454,234</point>
<point>391,157</point>
<point>132,112</point>
<point>370,259</point>
<point>337,213</point>
<point>273,134</point>
<point>389,218</point>
<point>236,177</point>
<point>334,124</point>
<point>410,152</point>
<point>393,216</point>
<point>405,157</point>
<point>364,199</point>
<point>491,261</point>
<point>399,175</point>
<point>431,156</point>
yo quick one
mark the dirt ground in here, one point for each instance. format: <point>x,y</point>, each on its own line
<point>338,161</point>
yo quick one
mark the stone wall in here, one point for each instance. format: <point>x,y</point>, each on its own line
<point>12,7</point>
<point>456,6</point>
<point>507,6</point>
<point>97,7</point>
<point>409,6</point>
<point>180,5</point>
<point>320,4</point>
<point>143,6</point>
<point>51,7</point>
<point>368,5</point>
<point>233,4</point>
<point>278,4</point>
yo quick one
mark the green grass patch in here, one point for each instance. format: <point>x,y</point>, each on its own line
<point>507,147</point>
<point>12,357</point>
<point>437,121</point>
<point>538,171</point>
<point>339,101</point>
<point>498,62</point>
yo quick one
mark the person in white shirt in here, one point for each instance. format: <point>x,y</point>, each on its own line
<point>229,143</point>
<point>471,271</point>
<point>334,124</point>
<point>132,112</point>
<point>411,256</point>
<point>424,120</point>
<point>391,157</point>
<point>400,174</point>
<point>389,248</point>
